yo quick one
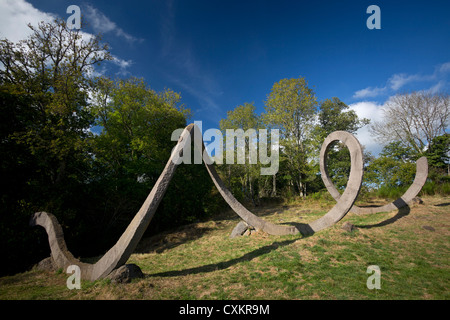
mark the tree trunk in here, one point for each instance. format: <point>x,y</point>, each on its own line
<point>274,185</point>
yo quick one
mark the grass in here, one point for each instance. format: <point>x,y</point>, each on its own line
<point>200,261</point>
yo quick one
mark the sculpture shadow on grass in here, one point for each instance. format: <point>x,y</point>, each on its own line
<point>249,256</point>
<point>445,204</point>
<point>403,210</point>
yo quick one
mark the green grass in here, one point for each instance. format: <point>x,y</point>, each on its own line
<point>200,261</point>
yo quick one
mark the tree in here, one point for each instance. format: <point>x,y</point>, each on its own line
<point>44,84</point>
<point>394,169</point>
<point>242,117</point>
<point>415,118</point>
<point>291,107</point>
<point>439,153</point>
<point>335,115</point>
<point>52,68</point>
<point>132,150</point>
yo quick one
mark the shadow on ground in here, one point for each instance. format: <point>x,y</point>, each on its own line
<point>443,204</point>
<point>402,212</point>
<point>225,264</point>
<point>171,239</point>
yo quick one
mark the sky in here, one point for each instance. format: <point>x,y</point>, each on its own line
<point>221,54</point>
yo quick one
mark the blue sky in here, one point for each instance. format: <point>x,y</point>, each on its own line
<point>220,54</point>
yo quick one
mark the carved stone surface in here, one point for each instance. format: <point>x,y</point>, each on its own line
<point>349,227</point>
<point>125,274</point>
<point>46,264</point>
<point>239,230</point>
<point>121,251</point>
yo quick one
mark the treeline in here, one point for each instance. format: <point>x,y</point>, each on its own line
<point>414,125</point>
<point>89,149</point>
<point>303,124</point>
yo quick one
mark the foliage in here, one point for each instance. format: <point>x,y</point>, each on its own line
<point>291,107</point>
<point>242,178</point>
<point>438,153</point>
<point>393,168</point>
<point>44,81</point>
<point>335,116</point>
<point>415,119</point>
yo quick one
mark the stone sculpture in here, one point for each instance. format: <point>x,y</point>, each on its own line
<point>121,251</point>
<point>405,199</point>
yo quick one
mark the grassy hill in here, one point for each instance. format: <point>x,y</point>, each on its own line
<point>200,261</point>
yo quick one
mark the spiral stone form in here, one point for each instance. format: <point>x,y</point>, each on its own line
<point>405,199</point>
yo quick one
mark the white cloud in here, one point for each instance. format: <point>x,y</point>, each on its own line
<point>122,64</point>
<point>101,23</point>
<point>399,80</point>
<point>369,92</point>
<point>15,16</point>
<point>372,111</point>
<point>445,67</point>
<point>437,87</point>
<point>438,78</point>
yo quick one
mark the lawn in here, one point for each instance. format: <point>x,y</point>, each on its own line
<point>200,261</point>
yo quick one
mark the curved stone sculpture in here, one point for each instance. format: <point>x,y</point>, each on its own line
<point>331,217</point>
<point>121,251</point>
<point>406,198</point>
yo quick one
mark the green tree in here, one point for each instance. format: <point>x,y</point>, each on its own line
<point>334,115</point>
<point>394,167</point>
<point>291,107</point>
<point>418,122</point>
<point>439,153</point>
<point>52,69</point>
<point>242,178</point>
<point>44,84</point>
<point>131,151</point>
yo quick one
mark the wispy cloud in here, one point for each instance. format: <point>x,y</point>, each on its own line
<point>101,23</point>
<point>123,65</point>
<point>438,87</point>
<point>15,15</point>
<point>445,67</point>
<point>184,69</point>
<point>369,92</point>
<point>438,79</point>
<point>397,81</point>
